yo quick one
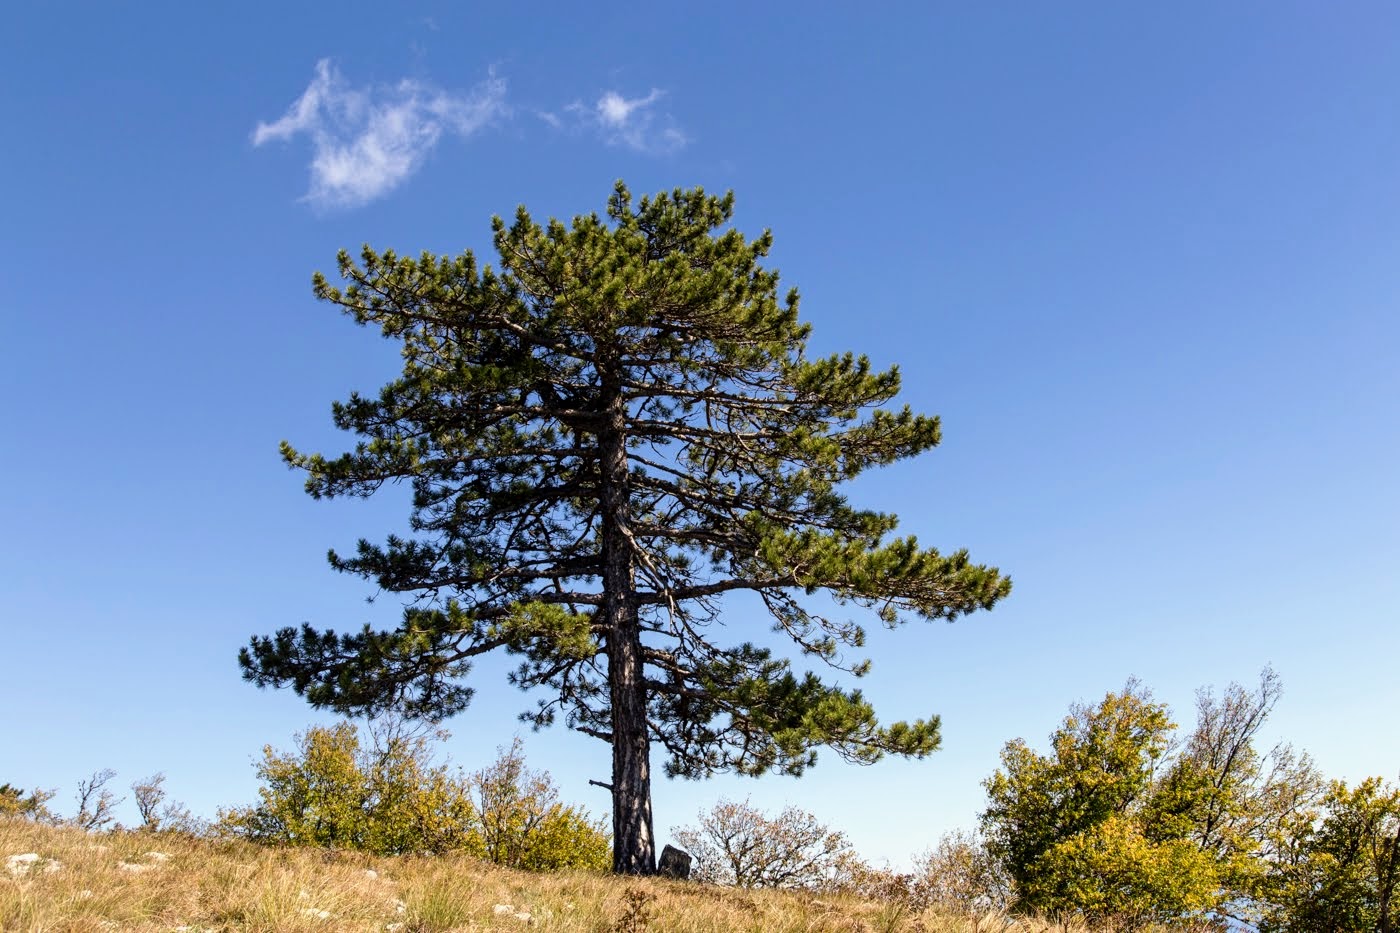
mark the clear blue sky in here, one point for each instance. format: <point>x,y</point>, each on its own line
<point>1142,262</point>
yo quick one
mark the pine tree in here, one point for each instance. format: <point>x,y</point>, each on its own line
<point>604,436</point>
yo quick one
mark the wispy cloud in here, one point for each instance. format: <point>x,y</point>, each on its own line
<point>368,141</point>
<point>632,122</point>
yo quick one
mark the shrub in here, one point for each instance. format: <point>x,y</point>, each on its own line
<point>960,873</point>
<point>737,844</point>
<point>522,824</point>
<point>332,792</point>
<point>15,804</point>
<point>390,798</point>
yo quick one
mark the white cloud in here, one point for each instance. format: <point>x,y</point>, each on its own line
<point>615,110</point>
<point>632,122</point>
<point>366,142</point>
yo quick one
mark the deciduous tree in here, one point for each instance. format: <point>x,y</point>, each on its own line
<point>1122,819</point>
<point>1341,870</point>
<point>1241,804</point>
<point>737,844</point>
<point>388,797</point>
<point>960,873</point>
<point>15,803</point>
<point>331,791</point>
<point>523,824</point>
<point>1074,830</point>
<point>605,434</point>
<point>96,802</point>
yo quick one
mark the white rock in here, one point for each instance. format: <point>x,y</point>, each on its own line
<point>400,907</point>
<point>158,856</point>
<point>315,914</point>
<point>21,863</point>
<point>502,909</point>
<point>133,867</point>
<point>371,874</point>
<point>523,916</point>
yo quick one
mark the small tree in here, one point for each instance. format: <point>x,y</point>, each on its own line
<point>1236,803</point>
<point>523,824</point>
<point>96,802</point>
<point>1074,830</point>
<point>604,435</point>
<point>149,793</point>
<point>16,804</point>
<point>737,844</point>
<point>158,815</point>
<point>960,873</point>
<point>1122,819</point>
<point>331,792</point>
<point>389,798</point>
<point>1340,871</point>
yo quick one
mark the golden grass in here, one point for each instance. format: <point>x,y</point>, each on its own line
<point>84,882</point>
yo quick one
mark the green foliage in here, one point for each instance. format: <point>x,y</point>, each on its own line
<point>16,804</point>
<point>1340,870</point>
<point>522,823</point>
<point>1240,804</point>
<point>1112,870</point>
<point>332,792</point>
<point>604,434</point>
<point>1071,828</point>
<point>1120,820</point>
<point>389,798</point>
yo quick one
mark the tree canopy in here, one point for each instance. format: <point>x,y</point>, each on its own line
<point>605,434</point>
<point>1122,820</point>
<point>1340,868</point>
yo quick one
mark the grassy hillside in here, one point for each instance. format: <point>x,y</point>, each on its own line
<point>134,881</point>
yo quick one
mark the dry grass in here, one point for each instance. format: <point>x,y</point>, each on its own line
<point>85,882</point>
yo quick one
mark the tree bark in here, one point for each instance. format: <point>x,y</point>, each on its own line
<point>1387,870</point>
<point>634,843</point>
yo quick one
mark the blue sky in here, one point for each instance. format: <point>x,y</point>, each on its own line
<point>1142,262</point>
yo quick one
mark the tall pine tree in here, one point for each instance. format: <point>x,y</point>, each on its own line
<point>604,435</point>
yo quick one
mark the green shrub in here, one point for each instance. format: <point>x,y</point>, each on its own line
<point>14,803</point>
<point>390,798</point>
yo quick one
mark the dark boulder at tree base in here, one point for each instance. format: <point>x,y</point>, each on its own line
<point>674,864</point>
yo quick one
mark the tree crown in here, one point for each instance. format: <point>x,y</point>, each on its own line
<point>624,388</point>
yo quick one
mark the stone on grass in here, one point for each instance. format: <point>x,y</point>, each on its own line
<point>21,863</point>
<point>674,863</point>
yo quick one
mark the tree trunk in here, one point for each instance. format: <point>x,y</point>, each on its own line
<point>1387,871</point>
<point>634,844</point>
